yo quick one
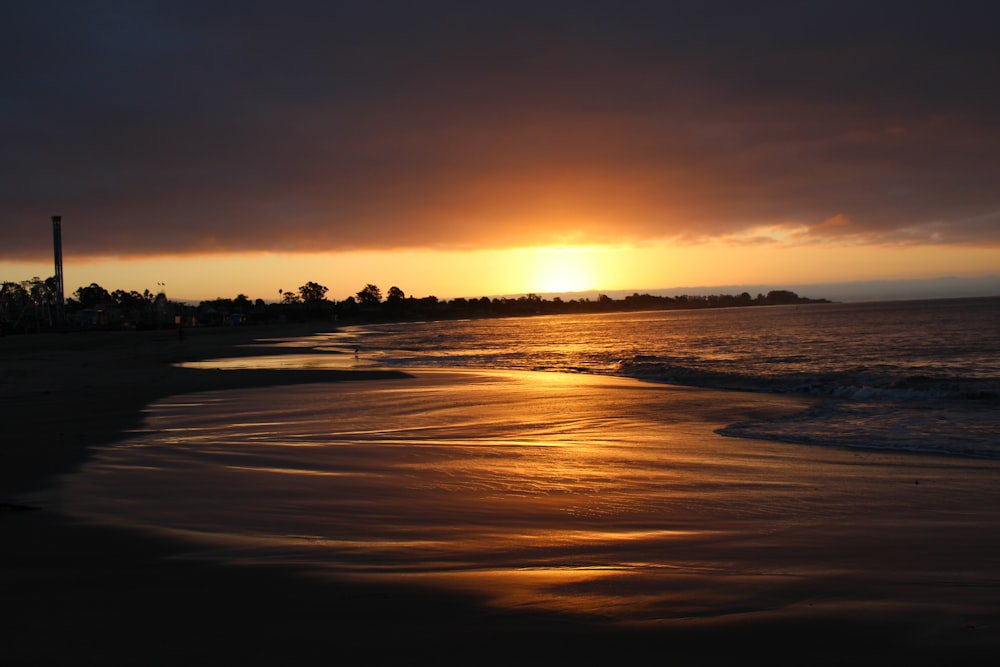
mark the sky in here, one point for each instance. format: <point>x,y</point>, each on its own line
<point>452,149</point>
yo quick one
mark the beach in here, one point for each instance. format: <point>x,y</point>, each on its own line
<point>90,590</point>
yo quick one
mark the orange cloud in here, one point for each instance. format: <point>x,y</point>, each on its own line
<point>518,124</point>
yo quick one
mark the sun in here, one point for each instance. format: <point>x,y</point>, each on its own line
<point>559,270</point>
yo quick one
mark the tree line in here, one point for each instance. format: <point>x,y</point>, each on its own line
<point>31,306</point>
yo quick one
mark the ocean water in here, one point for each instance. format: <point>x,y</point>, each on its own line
<point>907,375</point>
<point>553,463</point>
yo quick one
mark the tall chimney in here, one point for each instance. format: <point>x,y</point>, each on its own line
<point>57,253</point>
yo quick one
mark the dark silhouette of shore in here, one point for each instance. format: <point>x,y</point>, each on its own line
<point>30,307</point>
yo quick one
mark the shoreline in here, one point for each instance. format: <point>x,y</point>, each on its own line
<point>118,596</point>
<point>70,392</point>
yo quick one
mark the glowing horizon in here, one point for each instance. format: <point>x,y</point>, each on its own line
<point>506,148</point>
<point>476,273</point>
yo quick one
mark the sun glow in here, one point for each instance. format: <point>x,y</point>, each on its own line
<point>548,270</point>
<point>557,270</point>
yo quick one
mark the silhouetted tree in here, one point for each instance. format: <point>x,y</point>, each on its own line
<point>781,296</point>
<point>370,295</point>
<point>242,304</point>
<point>92,296</point>
<point>313,293</point>
<point>13,299</point>
<point>395,294</point>
<point>42,291</point>
<point>128,300</point>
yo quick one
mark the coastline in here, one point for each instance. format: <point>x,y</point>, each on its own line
<point>82,591</point>
<point>65,393</point>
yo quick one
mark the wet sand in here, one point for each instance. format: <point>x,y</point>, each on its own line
<point>77,592</point>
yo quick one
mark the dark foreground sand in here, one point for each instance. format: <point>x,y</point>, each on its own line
<point>85,594</point>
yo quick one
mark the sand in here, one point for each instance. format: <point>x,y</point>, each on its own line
<point>77,592</point>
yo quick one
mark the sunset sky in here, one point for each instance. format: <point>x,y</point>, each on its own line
<point>484,148</point>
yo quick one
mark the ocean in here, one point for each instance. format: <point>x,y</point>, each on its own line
<point>557,463</point>
<point>904,375</point>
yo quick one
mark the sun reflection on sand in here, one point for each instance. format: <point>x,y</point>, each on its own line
<point>583,494</point>
<point>310,361</point>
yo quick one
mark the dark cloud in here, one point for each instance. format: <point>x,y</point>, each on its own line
<point>158,127</point>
